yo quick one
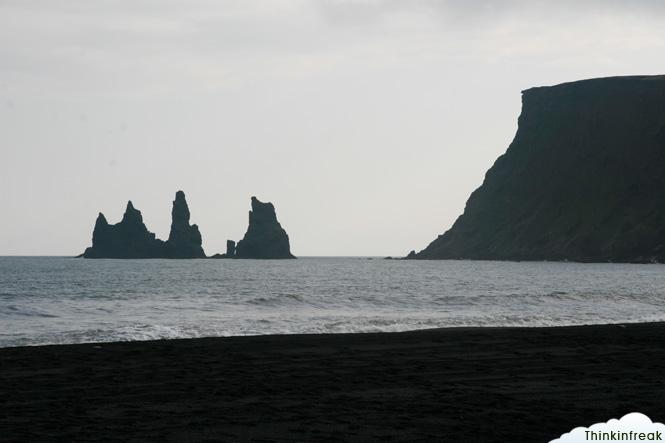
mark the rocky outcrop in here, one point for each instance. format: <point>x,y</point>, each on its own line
<point>265,238</point>
<point>184,239</point>
<point>230,250</point>
<point>127,239</point>
<point>582,180</point>
<point>130,237</point>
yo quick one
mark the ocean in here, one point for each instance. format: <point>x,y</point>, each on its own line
<point>55,300</point>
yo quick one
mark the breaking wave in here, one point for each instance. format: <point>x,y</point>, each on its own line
<point>58,300</point>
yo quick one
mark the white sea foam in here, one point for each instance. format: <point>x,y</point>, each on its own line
<point>58,300</point>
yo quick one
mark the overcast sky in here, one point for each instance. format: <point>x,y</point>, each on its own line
<point>367,123</point>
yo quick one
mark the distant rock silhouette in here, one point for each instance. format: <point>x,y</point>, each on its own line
<point>265,237</point>
<point>127,239</point>
<point>184,239</point>
<point>582,180</point>
<point>230,250</point>
<point>130,237</point>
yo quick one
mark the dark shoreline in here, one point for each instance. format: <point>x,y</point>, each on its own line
<point>458,384</point>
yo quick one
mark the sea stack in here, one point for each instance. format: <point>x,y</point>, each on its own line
<point>127,239</point>
<point>265,238</point>
<point>230,248</point>
<point>184,239</point>
<point>582,180</point>
<point>131,239</point>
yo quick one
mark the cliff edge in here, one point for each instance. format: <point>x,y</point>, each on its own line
<point>582,180</point>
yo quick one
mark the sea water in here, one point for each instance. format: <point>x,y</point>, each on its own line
<point>48,300</point>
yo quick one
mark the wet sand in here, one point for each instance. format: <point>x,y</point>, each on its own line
<point>461,384</point>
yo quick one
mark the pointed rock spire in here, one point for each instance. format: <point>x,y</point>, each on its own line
<point>265,237</point>
<point>101,220</point>
<point>184,239</point>
<point>179,215</point>
<point>132,215</point>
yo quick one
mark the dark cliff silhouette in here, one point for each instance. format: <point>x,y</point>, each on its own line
<point>130,237</point>
<point>582,180</point>
<point>265,237</point>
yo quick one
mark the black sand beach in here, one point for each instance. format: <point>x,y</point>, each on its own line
<point>466,384</point>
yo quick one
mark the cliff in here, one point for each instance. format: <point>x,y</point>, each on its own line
<point>265,237</point>
<point>130,237</point>
<point>582,180</point>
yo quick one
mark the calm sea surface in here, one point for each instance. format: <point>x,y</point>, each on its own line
<point>65,300</point>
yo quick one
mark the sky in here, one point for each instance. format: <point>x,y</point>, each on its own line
<point>367,123</point>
